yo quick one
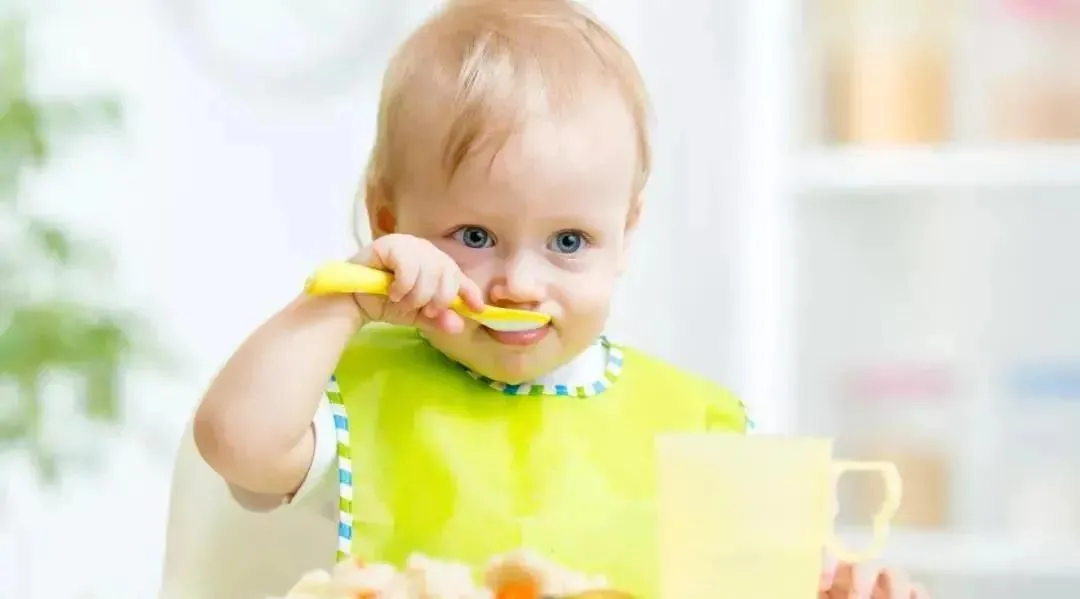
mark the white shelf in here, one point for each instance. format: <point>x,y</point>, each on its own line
<point>877,170</point>
<point>973,555</point>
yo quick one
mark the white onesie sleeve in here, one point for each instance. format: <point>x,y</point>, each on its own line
<point>323,466</point>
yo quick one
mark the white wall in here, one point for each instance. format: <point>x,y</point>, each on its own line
<point>217,203</point>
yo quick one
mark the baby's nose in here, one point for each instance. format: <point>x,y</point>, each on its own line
<point>519,286</point>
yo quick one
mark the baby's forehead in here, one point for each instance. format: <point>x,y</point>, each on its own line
<point>572,170</point>
<point>585,153</point>
<point>593,139</point>
<point>597,126</point>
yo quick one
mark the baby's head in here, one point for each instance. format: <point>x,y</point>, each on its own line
<point>513,135</point>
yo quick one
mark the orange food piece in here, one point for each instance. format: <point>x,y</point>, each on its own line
<point>519,589</point>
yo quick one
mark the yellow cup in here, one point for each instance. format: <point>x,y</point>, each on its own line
<point>750,516</point>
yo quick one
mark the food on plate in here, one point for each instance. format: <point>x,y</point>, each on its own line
<point>516,575</point>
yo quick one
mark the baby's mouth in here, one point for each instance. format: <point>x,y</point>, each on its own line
<point>519,338</point>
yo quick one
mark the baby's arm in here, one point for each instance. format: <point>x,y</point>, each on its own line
<point>254,425</point>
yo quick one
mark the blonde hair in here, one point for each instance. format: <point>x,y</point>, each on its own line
<point>471,74</point>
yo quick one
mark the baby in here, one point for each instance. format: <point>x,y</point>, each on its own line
<point>508,168</point>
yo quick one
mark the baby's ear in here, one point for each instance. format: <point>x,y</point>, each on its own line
<point>380,212</point>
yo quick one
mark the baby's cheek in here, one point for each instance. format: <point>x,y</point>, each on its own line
<point>587,303</point>
<point>476,264</point>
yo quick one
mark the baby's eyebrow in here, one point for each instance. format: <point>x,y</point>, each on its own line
<point>594,218</point>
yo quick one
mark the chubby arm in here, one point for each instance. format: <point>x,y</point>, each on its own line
<point>254,424</point>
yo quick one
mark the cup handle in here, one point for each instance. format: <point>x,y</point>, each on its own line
<point>882,519</point>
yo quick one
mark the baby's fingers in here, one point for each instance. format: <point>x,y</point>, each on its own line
<point>471,293</point>
<point>828,571</point>
<point>425,290</point>
<point>446,291</point>
<point>436,313</point>
<point>406,276</point>
<point>870,581</point>
<point>449,321</point>
<point>892,585</point>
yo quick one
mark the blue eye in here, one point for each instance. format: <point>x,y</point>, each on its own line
<point>474,237</point>
<point>568,242</point>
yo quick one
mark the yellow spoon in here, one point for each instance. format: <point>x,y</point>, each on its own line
<point>346,277</point>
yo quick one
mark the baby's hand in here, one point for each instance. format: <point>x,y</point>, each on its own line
<point>426,280</point>
<point>866,581</point>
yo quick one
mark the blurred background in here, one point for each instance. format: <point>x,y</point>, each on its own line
<point>862,212</point>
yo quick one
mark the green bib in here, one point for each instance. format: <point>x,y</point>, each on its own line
<point>435,461</point>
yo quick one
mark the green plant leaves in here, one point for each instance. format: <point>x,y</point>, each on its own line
<point>56,333</point>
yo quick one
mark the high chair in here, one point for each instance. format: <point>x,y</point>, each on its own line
<point>216,550</point>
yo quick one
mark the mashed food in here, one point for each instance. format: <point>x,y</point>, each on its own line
<point>518,575</point>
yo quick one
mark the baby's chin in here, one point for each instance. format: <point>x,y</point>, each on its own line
<point>500,362</point>
<point>514,376</point>
<point>512,367</point>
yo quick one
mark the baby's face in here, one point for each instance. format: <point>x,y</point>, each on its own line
<point>542,225</point>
